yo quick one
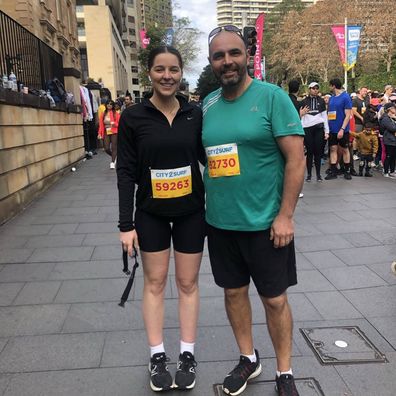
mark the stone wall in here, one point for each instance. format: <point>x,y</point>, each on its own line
<point>36,147</point>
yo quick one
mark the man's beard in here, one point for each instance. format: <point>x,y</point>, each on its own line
<point>230,82</point>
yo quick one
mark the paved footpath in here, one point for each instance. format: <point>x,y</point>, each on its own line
<point>63,334</point>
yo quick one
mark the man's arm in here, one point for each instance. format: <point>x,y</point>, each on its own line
<point>282,229</point>
<point>345,123</point>
<point>356,113</point>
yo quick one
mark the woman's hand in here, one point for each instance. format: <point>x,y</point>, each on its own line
<point>129,241</point>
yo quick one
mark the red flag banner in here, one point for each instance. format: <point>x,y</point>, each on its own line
<point>339,34</point>
<point>144,39</point>
<point>258,54</point>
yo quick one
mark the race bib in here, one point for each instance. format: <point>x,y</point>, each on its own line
<point>332,115</point>
<point>223,160</point>
<point>171,183</point>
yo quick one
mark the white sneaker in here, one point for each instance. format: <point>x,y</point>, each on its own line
<point>385,174</point>
<point>355,157</point>
<point>392,174</point>
<point>300,195</point>
<point>112,165</point>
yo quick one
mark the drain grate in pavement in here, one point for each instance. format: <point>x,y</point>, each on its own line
<point>305,386</point>
<point>342,345</point>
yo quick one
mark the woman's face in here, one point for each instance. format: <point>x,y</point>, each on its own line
<point>110,106</point>
<point>165,74</point>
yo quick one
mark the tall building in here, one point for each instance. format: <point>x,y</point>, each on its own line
<point>102,28</point>
<point>156,12</point>
<point>240,12</point>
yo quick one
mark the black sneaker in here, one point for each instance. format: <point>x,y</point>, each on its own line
<point>368,174</point>
<point>331,176</point>
<point>285,385</point>
<point>353,172</point>
<point>185,371</point>
<point>308,179</point>
<point>319,178</point>
<point>347,176</point>
<point>235,382</point>
<point>160,379</point>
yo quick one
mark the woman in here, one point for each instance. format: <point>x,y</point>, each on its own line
<point>108,128</point>
<point>159,149</point>
<point>388,126</point>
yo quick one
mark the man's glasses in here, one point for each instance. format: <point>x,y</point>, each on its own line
<point>227,28</point>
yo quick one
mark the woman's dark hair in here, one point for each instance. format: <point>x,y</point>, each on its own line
<point>109,102</point>
<point>163,50</point>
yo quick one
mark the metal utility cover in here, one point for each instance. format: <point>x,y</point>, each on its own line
<point>305,386</point>
<point>353,345</point>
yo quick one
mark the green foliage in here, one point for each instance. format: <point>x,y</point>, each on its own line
<point>376,81</point>
<point>207,82</point>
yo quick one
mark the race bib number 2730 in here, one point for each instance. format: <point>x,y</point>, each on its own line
<point>223,160</point>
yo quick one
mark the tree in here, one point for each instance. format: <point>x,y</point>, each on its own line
<point>207,82</point>
<point>184,39</point>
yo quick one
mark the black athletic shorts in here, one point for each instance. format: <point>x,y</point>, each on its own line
<point>237,256</point>
<point>343,142</point>
<point>155,232</point>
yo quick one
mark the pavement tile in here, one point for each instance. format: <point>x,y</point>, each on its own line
<point>321,242</point>
<point>334,207</point>
<point>373,302</point>
<point>92,202</point>
<point>61,254</point>
<point>106,316</point>
<point>89,218</point>
<point>32,320</point>
<point>311,280</point>
<point>109,210</point>
<point>90,290</point>
<point>385,237</point>
<point>95,227</point>
<point>381,269</point>
<point>302,262</point>
<point>386,327</point>
<point>44,241</point>
<point>86,270</point>
<point>52,352</point>
<point>25,272</point>
<point>4,381</point>
<point>356,277</point>
<point>349,216</point>
<point>63,229</point>
<point>365,225</point>
<point>18,255</point>
<point>90,210</point>
<point>331,305</point>
<point>10,241</point>
<point>302,308</point>
<point>360,239</point>
<point>37,293</point>
<point>111,238</point>
<point>303,230</point>
<point>370,379</point>
<point>304,218</point>
<point>8,292</point>
<point>26,230</point>
<point>324,259</point>
<point>367,255</point>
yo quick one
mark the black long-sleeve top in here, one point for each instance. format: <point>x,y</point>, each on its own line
<point>146,141</point>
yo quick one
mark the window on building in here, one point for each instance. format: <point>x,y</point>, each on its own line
<point>133,44</point>
<point>134,69</point>
<point>130,3</point>
<point>131,19</point>
<point>132,32</point>
<point>135,81</point>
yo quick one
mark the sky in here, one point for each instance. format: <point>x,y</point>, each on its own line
<point>202,14</point>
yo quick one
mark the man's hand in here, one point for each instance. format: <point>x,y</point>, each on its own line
<point>304,110</point>
<point>129,241</point>
<point>326,135</point>
<point>282,231</point>
<point>340,134</point>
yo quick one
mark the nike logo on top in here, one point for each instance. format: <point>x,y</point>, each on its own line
<point>189,118</point>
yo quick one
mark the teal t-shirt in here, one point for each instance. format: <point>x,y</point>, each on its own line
<point>250,124</point>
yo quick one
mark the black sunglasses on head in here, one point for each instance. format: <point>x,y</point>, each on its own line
<point>227,28</point>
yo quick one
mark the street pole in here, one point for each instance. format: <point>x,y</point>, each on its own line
<point>346,55</point>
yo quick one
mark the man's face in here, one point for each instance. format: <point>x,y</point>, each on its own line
<point>127,101</point>
<point>314,91</point>
<point>363,92</point>
<point>228,58</point>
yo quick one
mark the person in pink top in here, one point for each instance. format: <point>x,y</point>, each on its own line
<point>108,129</point>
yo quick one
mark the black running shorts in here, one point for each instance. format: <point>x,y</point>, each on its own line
<point>155,232</point>
<point>343,142</point>
<point>237,256</point>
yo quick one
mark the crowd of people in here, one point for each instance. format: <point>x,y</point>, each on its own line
<point>358,128</point>
<point>250,139</point>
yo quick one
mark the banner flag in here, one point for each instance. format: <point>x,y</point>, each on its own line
<point>168,37</point>
<point>144,39</point>
<point>257,57</point>
<point>353,42</point>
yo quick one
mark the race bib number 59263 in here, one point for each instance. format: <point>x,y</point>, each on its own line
<point>171,183</point>
<point>223,160</point>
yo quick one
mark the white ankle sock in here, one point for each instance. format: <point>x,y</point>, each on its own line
<point>187,347</point>
<point>157,349</point>
<point>279,373</point>
<point>252,358</point>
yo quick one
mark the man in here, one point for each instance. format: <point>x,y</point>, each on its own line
<point>294,87</point>
<point>339,114</point>
<point>359,108</point>
<point>316,128</point>
<point>253,139</point>
<point>128,102</point>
